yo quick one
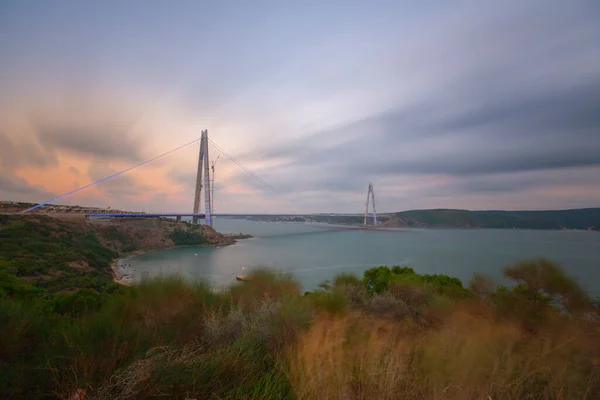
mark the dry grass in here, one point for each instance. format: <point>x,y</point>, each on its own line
<point>469,357</point>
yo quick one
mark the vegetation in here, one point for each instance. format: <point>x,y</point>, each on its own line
<point>53,256</point>
<point>585,218</point>
<point>183,237</point>
<point>391,334</point>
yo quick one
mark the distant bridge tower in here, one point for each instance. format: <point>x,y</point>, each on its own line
<point>370,196</point>
<point>203,164</point>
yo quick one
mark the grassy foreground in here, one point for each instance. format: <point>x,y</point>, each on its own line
<point>391,334</point>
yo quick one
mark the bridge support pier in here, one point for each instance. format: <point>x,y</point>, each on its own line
<point>178,218</point>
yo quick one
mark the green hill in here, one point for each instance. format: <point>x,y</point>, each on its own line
<point>585,218</point>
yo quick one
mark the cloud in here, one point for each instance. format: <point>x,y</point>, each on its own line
<point>474,103</point>
<point>123,185</point>
<point>73,170</point>
<point>18,189</point>
<point>540,131</point>
<point>15,154</point>
<point>182,177</point>
<point>515,95</point>
<point>91,140</point>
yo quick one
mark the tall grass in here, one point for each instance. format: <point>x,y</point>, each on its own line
<point>360,357</point>
<point>423,337</point>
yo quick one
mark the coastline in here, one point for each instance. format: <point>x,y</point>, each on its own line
<point>122,273</point>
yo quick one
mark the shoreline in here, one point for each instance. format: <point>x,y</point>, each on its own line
<point>383,227</point>
<point>123,274</point>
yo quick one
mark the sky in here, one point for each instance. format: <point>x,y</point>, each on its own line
<point>441,104</point>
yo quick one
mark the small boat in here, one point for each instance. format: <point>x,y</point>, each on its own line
<point>241,278</point>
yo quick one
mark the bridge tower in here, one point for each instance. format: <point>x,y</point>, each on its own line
<point>370,196</point>
<point>203,167</point>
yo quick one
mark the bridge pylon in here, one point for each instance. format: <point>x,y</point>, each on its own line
<point>203,168</point>
<point>370,196</point>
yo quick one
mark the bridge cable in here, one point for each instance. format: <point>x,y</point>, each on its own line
<point>242,166</point>
<point>110,176</point>
<point>260,180</point>
<point>174,185</point>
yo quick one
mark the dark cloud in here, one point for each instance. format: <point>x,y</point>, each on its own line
<point>73,170</point>
<point>501,92</point>
<point>542,131</point>
<point>508,183</point>
<point>92,140</point>
<point>572,113</point>
<point>15,154</point>
<point>17,188</point>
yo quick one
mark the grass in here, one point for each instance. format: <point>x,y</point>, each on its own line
<point>414,338</point>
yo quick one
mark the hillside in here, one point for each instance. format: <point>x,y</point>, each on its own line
<point>56,255</point>
<point>585,218</point>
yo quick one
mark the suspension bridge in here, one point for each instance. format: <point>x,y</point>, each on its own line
<point>204,184</point>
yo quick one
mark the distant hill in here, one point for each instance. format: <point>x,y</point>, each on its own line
<point>584,218</point>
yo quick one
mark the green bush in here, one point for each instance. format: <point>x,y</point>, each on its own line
<point>379,279</point>
<point>10,286</point>
<point>346,279</point>
<point>187,238</point>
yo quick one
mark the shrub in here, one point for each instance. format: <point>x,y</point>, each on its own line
<point>187,237</point>
<point>386,305</point>
<point>377,279</point>
<point>263,284</point>
<point>346,279</point>
<point>409,337</point>
<point>543,280</point>
<point>331,302</point>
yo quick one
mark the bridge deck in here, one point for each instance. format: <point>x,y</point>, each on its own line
<point>147,215</point>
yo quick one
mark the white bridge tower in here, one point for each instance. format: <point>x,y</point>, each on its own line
<point>203,164</point>
<point>370,196</point>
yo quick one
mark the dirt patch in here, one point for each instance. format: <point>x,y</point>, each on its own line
<point>79,265</point>
<point>216,238</point>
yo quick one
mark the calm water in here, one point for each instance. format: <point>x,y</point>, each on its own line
<point>314,254</point>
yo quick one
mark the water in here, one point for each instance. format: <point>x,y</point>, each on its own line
<point>314,254</point>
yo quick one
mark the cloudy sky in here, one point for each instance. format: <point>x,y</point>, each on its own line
<point>454,104</point>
